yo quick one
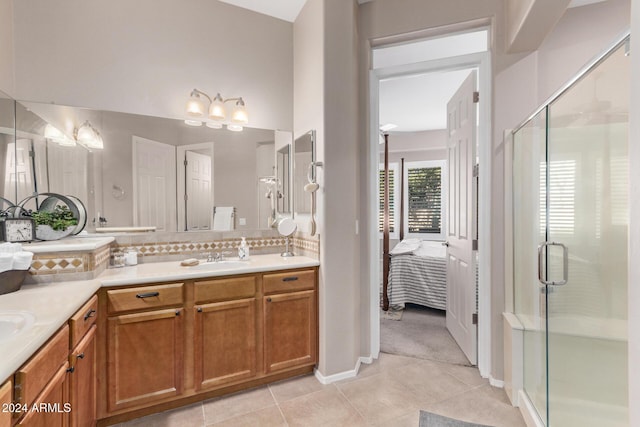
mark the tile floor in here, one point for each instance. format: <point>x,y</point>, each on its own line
<point>389,392</point>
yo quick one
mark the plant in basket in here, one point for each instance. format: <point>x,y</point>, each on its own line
<point>55,224</point>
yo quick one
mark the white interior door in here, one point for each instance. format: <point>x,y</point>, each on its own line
<point>198,197</point>
<point>154,172</point>
<point>461,286</point>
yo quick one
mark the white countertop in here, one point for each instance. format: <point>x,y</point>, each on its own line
<point>162,271</point>
<point>54,303</point>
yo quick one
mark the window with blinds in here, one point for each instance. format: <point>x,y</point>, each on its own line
<point>562,196</point>
<point>392,204</point>
<point>424,200</point>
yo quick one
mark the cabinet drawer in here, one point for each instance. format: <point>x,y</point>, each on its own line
<point>225,289</point>
<point>32,377</point>
<point>84,318</point>
<point>145,297</point>
<point>288,282</point>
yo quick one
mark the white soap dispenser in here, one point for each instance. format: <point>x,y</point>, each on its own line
<point>243,250</point>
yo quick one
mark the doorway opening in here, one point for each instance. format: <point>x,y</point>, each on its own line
<point>437,287</point>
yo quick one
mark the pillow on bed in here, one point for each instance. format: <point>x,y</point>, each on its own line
<point>406,246</point>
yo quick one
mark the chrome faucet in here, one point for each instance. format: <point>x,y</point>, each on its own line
<point>217,256</point>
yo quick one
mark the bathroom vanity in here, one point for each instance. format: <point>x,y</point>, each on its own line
<point>144,339</point>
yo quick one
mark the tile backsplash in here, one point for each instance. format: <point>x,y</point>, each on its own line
<point>159,247</point>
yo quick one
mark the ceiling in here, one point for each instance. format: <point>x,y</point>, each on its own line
<point>286,10</point>
<point>419,103</point>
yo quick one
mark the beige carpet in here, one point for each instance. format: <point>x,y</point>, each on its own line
<point>421,333</point>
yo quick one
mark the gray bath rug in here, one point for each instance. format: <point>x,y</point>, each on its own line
<point>427,419</point>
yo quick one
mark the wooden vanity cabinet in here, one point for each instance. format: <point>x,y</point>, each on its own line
<point>290,321</point>
<point>170,343</point>
<point>82,381</point>
<point>53,403</point>
<point>6,400</point>
<point>145,355</point>
<point>82,365</point>
<point>225,331</point>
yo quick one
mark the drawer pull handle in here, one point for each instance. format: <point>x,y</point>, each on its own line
<point>148,295</point>
<point>80,356</point>
<point>199,309</point>
<point>91,313</point>
<point>290,279</point>
<point>177,312</point>
<point>71,370</point>
<point>268,299</point>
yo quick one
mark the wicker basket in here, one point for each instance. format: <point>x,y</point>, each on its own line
<point>11,280</point>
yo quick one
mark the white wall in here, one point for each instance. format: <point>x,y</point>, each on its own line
<point>325,94</point>
<point>634,225</point>
<point>145,56</point>
<point>7,82</point>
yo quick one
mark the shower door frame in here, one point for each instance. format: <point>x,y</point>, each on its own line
<point>520,398</point>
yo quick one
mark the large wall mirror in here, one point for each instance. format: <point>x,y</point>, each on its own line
<point>304,155</point>
<point>8,179</point>
<point>151,171</point>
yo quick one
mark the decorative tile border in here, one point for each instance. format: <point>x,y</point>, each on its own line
<point>70,262</point>
<point>195,248</point>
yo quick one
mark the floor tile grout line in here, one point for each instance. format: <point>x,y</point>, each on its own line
<point>286,423</point>
<point>204,416</point>
<point>352,405</point>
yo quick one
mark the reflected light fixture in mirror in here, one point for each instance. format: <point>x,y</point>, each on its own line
<point>195,111</point>
<point>88,136</point>
<point>54,134</point>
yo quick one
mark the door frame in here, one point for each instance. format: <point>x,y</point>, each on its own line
<point>181,177</point>
<point>482,61</point>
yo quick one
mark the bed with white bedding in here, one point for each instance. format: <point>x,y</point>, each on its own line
<point>418,274</point>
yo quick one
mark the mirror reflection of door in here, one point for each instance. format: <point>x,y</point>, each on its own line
<point>154,187</point>
<point>195,186</point>
<point>22,169</point>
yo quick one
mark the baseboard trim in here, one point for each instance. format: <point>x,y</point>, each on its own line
<point>528,412</point>
<point>496,383</point>
<point>342,375</point>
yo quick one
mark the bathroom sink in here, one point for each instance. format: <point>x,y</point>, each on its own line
<point>13,323</point>
<point>220,265</point>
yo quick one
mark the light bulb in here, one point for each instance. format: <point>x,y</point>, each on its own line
<point>216,109</point>
<point>195,106</point>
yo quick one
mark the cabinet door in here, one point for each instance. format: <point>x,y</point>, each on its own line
<point>5,401</point>
<point>225,342</point>
<point>290,330</point>
<point>51,408</point>
<point>82,381</point>
<point>144,357</point>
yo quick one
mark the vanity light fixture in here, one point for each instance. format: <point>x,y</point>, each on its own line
<point>216,112</point>
<point>54,134</point>
<point>88,136</point>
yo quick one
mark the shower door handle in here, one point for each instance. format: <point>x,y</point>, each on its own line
<point>565,264</point>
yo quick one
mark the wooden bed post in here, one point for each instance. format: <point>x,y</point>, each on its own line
<point>385,228</point>
<point>401,230</point>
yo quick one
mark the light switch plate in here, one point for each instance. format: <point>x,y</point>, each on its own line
<point>242,221</point>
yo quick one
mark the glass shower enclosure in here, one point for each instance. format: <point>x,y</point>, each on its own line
<point>570,232</point>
